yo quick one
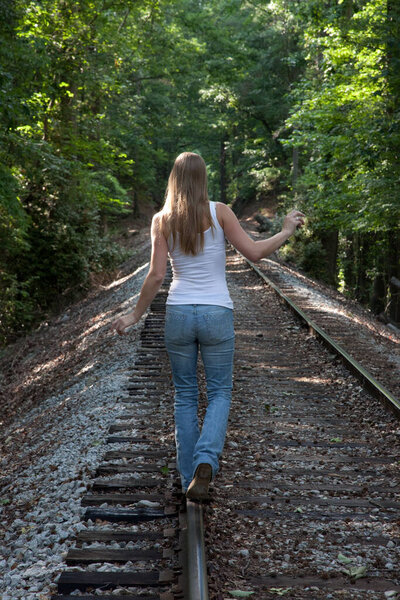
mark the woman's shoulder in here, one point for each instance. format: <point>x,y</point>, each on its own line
<point>158,220</point>
<point>157,216</point>
<point>222,211</point>
<point>158,224</point>
<point>222,208</point>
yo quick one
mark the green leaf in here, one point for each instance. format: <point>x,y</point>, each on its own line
<point>357,572</point>
<point>4,501</point>
<point>164,470</point>
<point>336,439</point>
<point>279,591</point>
<point>240,593</point>
<point>343,559</point>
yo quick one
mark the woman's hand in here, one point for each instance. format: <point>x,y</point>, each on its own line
<point>123,322</point>
<point>292,221</point>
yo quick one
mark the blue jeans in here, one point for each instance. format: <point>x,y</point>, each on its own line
<point>189,327</point>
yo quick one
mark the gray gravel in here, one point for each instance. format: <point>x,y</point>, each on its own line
<point>41,508</point>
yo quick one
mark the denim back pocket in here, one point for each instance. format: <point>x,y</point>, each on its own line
<point>175,326</point>
<point>219,325</point>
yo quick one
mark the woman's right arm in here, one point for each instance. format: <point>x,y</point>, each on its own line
<point>255,250</point>
<point>153,281</point>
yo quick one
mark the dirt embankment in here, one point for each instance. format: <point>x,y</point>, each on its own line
<point>37,365</point>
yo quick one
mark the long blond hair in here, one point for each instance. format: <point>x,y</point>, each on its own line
<point>186,206</point>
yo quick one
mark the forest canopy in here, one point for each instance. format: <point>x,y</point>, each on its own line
<point>294,100</point>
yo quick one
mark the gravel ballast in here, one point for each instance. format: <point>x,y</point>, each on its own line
<point>50,452</point>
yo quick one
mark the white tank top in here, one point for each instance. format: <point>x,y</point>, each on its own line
<point>200,279</point>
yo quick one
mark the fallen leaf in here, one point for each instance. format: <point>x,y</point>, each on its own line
<point>148,504</point>
<point>343,559</point>
<point>358,572</point>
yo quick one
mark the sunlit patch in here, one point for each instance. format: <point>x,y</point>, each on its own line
<point>327,308</point>
<point>40,370</point>
<point>104,319</point>
<point>98,326</point>
<point>51,364</point>
<point>101,320</point>
<point>293,426</point>
<point>86,368</point>
<point>314,380</point>
<point>124,279</point>
<point>97,317</point>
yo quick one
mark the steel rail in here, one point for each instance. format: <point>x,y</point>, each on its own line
<point>196,579</point>
<point>376,388</point>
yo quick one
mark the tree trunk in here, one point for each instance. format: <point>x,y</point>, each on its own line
<point>393,275</point>
<point>393,80</point>
<point>330,240</point>
<point>135,204</point>
<point>222,166</point>
<point>295,171</point>
<point>361,288</point>
<point>349,9</point>
<point>378,297</point>
<point>348,262</point>
<point>393,48</point>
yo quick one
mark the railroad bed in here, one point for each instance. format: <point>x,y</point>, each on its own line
<point>131,547</point>
<point>306,501</point>
<point>306,504</point>
<point>375,346</point>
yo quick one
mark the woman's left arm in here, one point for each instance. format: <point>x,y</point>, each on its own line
<point>154,278</point>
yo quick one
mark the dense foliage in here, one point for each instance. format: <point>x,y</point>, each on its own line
<point>293,98</point>
<point>345,120</point>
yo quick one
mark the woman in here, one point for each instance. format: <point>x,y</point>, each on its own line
<point>192,230</point>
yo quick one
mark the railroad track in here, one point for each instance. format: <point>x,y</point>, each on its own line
<point>335,342</point>
<point>134,511</point>
<point>131,545</point>
<point>373,346</point>
<point>306,502</point>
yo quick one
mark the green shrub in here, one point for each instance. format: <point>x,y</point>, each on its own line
<point>307,253</point>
